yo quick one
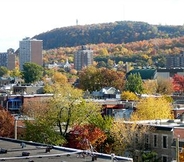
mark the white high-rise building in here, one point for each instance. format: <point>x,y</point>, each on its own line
<point>30,50</point>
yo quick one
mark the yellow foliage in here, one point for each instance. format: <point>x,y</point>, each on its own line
<point>127,95</point>
<point>59,78</point>
<point>150,86</point>
<point>153,108</point>
<point>128,136</point>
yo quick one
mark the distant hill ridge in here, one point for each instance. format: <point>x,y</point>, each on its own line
<point>116,33</point>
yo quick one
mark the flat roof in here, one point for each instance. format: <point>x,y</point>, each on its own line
<point>24,151</point>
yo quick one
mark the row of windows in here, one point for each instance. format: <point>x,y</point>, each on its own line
<point>155,140</point>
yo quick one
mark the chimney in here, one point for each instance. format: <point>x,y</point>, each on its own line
<point>182,118</point>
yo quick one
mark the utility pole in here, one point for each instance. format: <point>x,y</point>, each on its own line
<point>15,123</point>
<point>177,150</point>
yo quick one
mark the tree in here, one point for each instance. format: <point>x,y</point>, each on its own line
<point>3,71</point>
<point>129,136</point>
<point>152,108</point>
<point>111,78</point>
<point>32,72</point>
<point>126,95</point>
<point>6,124</point>
<point>59,78</point>
<point>150,86</point>
<point>105,124</point>
<point>86,137</point>
<point>42,130</point>
<point>134,83</point>
<point>68,108</point>
<point>178,83</point>
<point>164,86</point>
<point>88,79</point>
<point>93,79</point>
<point>15,73</point>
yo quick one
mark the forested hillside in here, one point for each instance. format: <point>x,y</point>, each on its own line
<point>115,33</point>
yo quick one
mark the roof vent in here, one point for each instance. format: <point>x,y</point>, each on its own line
<point>48,148</point>
<point>3,151</point>
<point>25,153</point>
<point>23,145</point>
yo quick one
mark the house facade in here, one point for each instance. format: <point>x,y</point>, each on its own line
<point>162,138</point>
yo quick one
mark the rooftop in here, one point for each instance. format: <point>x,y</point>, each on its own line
<point>24,151</point>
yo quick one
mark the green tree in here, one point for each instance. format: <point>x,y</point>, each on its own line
<point>134,83</point>
<point>68,108</point>
<point>43,130</point>
<point>3,71</point>
<point>32,72</point>
<point>54,118</point>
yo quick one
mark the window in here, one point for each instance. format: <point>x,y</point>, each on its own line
<point>164,141</point>
<point>164,158</point>
<point>155,140</point>
<point>147,143</point>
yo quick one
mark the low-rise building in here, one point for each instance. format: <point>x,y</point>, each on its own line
<point>163,136</point>
<point>26,151</point>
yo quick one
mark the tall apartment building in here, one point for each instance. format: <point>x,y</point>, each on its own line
<point>8,59</point>
<point>30,50</point>
<point>175,61</point>
<point>83,58</point>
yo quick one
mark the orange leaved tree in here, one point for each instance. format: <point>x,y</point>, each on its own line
<point>86,137</point>
<point>6,123</point>
<point>178,83</point>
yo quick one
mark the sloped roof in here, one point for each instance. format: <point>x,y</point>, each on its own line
<point>144,73</point>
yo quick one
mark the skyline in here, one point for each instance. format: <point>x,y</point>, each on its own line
<point>27,18</point>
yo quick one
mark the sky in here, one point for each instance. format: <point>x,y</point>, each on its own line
<point>27,18</point>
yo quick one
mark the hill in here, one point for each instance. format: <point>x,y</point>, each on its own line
<point>116,33</point>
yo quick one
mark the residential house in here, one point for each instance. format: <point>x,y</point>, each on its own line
<point>106,92</point>
<point>14,103</point>
<point>162,137</point>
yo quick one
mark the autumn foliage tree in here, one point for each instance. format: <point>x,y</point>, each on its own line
<point>178,83</point>
<point>92,78</point>
<point>129,136</point>
<point>126,95</point>
<point>68,106</point>
<point>164,86</point>
<point>151,108</point>
<point>6,123</point>
<point>86,136</point>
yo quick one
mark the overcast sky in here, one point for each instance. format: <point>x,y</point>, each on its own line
<point>26,18</point>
